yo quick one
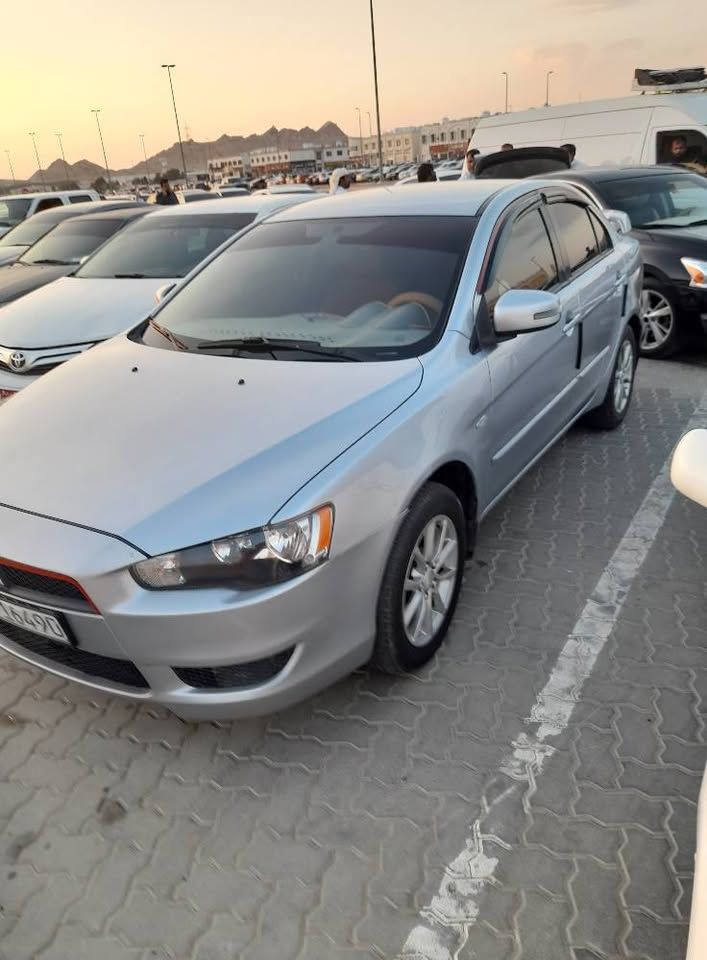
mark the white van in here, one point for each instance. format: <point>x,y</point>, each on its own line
<point>20,206</point>
<point>625,131</point>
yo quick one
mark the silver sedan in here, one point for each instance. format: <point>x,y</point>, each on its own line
<point>278,476</point>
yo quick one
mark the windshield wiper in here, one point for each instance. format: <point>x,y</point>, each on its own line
<point>697,223</point>
<point>270,345</point>
<point>129,276</point>
<point>168,335</point>
<point>52,263</point>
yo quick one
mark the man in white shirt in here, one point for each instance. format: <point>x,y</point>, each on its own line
<point>340,180</point>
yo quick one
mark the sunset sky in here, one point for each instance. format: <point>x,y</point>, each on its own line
<point>242,66</point>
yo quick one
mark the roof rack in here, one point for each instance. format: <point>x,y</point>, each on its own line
<point>679,80</point>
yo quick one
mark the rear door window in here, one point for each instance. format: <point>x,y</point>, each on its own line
<point>81,198</point>
<point>48,203</point>
<point>576,234</point>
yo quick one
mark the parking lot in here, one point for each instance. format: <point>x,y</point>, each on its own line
<point>530,794</point>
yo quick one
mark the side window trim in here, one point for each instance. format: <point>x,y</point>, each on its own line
<point>606,236</point>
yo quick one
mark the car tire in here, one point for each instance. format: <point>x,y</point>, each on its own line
<point>617,398</point>
<point>429,550</point>
<point>660,329</point>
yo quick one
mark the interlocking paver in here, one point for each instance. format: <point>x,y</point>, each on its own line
<point>323,832</point>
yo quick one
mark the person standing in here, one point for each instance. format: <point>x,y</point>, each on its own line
<point>166,197</point>
<point>340,180</point>
<point>469,164</point>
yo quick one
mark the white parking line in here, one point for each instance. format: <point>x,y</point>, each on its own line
<point>445,922</point>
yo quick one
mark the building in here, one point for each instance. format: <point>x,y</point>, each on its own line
<point>401,145</point>
<point>221,167</point>
<point>305,159</point>
<point>446,140</point>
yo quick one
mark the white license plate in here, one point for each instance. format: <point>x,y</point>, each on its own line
<point>32,619</point>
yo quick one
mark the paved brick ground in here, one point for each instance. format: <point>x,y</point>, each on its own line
<point>321,833</point>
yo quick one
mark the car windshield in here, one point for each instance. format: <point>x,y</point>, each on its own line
<point>374,288</point>
<point>69,242</point>
<point>12,210</point>
<point>669,200</point>
<point>163,246</point>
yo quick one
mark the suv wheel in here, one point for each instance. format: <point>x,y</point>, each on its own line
<point>421,582</point>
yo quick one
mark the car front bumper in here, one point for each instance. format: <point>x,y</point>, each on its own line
<point>693,304</point>
<point>271,647</point>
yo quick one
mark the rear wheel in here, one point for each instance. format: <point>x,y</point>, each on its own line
<point>421,582</point>
<point>660,333</point>
<point>617,398</point>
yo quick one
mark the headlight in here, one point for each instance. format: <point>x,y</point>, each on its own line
<point>245,560</point>
<point>697,270</point>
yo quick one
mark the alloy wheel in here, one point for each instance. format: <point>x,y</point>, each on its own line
<point>657,320</point>
<point>430,579</point>
<point>623,376</point>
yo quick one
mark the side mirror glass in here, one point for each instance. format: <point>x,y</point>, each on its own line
<point>688,468</point>
<point>619,220</point>
<point>162,292</point>
<point>523,311</point>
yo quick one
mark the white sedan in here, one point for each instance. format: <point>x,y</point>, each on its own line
<point>116,286</point>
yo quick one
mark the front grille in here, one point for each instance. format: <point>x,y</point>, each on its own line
<point>41,587</point>
<point>236,676</point>
<point>90,664</point>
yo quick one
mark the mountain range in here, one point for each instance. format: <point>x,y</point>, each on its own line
<point>196,153</point>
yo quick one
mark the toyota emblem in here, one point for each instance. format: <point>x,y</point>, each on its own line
<point>17,360</point>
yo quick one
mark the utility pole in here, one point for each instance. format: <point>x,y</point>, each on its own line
<point>39,162</point>
<point>66,166</point>
<point>147,165</point>
<point>169,67</point>
<point>103,148</point>
<point>505,74</point>
<point>375,82</point>
<point>12,172</point>
<point>360,137</point>
<point>547,87</point>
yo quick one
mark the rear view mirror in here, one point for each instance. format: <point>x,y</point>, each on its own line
<point>688,469</point>
<point>162,292</point>
<point>620,221</point>
<point>522,311</point>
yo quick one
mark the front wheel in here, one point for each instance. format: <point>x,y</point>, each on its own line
<point>421,582</point>
<point>617,398</point>
<point>660,333</point>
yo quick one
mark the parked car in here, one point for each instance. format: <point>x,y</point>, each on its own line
<point>62,249</point>
<point>688,473</point>
<point>443,176</point>
<point>318,417</point>
<point>232,192</point>
<point>195,196</point>
<point>14,243</point>
<point>18,207</point>
<point>667,207</point>
<point>116,286</point>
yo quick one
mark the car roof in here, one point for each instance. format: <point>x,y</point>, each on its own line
<point>258,204</point>
<point>455,199</point>
<point>44,193</point>
<point>65,212</point>
<point>606,174</point>
<point>121,213</point>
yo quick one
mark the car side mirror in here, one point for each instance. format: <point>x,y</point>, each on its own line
<point>619,220</point>
<point>162,292</point>
<point>523,311</point>
<point>688,469</point>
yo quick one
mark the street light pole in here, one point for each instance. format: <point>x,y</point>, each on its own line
<point>505,74</point>
<point>66,166</point>
<point>375,81</point>
<point>547,87</point>
<point>360,137</point>
<point>103,148</point>
<point>147,165</point>
<point>12,172</point>
<point>36,153</point>
<point>169,67</point>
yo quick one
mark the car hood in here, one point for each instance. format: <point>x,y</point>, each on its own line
<point>10,254</point>
<point>695,237</point>
<point>20,279</point>
<point>169,449</point>
<point>76,310</point>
